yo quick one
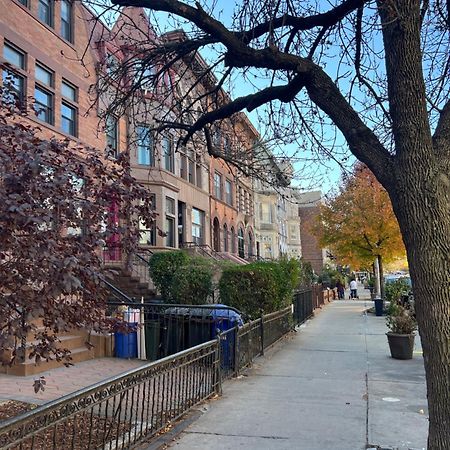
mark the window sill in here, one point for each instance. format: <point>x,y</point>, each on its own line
<point>52,128</point>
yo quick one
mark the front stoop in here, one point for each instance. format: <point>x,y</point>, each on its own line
<point>74,341</point>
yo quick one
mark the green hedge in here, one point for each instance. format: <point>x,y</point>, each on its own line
<point>192,284</point>
<point>181,278</point>
<point>163,266</point>
<point>259,288</point>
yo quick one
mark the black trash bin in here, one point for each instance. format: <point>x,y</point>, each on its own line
<point>378,306</point>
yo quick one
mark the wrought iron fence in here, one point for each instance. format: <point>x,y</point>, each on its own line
<point>119,412</point>
<point>304,301</point>
<point>165,329</point>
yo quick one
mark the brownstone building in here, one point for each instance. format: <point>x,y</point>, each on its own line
<point>55,53</point>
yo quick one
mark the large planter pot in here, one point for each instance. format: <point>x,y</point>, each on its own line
<point>401,345</point>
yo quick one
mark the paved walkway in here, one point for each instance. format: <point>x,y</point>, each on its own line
<point>332,386</point>
<point>63,380</point>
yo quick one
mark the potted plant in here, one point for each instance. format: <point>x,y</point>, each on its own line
<point>402,326</point>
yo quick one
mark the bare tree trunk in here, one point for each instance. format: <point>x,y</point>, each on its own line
<point>426,238</point>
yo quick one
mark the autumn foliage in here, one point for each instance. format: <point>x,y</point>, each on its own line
<point>358,224</point>
<point>55,218</point>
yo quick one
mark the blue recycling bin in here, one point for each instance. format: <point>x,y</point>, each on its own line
<point>126,343</point>
<point>222,321</point>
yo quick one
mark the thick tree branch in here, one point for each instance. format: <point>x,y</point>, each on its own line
<point>326,19</point>
<point>322,90</point>
<point>250,102</point>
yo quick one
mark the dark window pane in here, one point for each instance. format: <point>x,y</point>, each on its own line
<point>111,133</point>
<point>168,154</point>
<point>68,119</point>
<point>45,11</point>
<point>43,105</point>
<point>13,89</point>
<point>66,20</point>
<point>170,238</point>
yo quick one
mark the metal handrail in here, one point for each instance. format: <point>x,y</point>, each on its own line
<point>213,254</point>
<point>118,292</point>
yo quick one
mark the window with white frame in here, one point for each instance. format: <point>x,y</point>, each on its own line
<point>218,185</point>
<point>228,192</point>
<point>170,222</point>
<point>198,219</point>
<point>147,234</point>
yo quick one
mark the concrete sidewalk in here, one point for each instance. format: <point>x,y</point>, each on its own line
<point>331,386</point>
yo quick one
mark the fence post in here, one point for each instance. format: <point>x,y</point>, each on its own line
<point>235,350</point>
<point>219,364</point>
<point>262,334</point>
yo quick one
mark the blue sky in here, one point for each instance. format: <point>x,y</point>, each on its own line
<point>310,175</point>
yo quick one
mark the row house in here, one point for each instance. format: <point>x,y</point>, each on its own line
<point>277,220</point>
<point>200,200</point>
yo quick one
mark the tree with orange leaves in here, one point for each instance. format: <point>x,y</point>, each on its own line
<point>358,224</point>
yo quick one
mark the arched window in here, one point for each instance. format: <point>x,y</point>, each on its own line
<point>233,240</point>
<point>250,244</point>
<point>225,238</point>
<point>241,246</point>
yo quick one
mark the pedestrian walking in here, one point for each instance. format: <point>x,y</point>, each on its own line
<point>340,289</point>
<point>353,289</point>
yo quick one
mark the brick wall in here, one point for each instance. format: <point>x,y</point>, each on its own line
<point>311,250</point>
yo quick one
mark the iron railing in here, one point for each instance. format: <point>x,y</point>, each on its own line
<point>167,328</point>
<point>124,410</point>
<point>204,250</point>
<point>121,411</point>
<point>135,262</point>
<point>304,305</point>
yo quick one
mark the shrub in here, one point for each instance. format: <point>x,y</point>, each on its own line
<point>163,266</point>
<point>192,284</point>
<point>400,320</point>
<point>306,273</point>
<point>393,291</point>
<point>261,287</point>
<point>329,277</point>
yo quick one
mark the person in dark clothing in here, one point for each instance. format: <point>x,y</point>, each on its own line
<point>340,289</point>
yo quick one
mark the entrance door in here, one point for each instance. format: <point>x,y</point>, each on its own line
<point>216,235</point>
